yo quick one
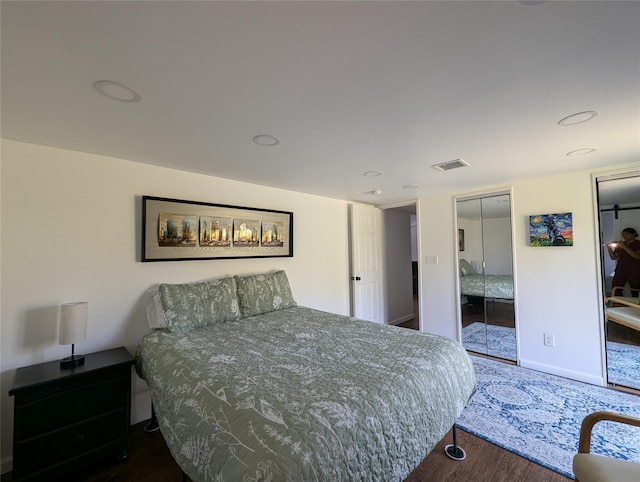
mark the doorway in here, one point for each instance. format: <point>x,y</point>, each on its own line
<point>618,208</point>
<point>485,275</point>
<point>401,266</point>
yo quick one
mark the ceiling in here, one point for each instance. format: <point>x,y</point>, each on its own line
<point>346,87</point>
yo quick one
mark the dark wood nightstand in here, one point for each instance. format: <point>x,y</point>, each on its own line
<point>68,419</point>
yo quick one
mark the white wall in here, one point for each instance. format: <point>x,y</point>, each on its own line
<point>71,232</point>
<point>557,288</point>
<point>496,237</point>
<point>488,240</point>
<point>438,303</point>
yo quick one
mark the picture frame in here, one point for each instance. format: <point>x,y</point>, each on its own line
<point>460,239</point>
<point>551,230</point>
<point>181,230</point>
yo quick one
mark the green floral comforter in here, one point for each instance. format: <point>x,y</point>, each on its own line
<point>487,286</point>
<point>303,395</point>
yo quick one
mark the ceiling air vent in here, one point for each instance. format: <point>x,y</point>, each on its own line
<point>447,166</point>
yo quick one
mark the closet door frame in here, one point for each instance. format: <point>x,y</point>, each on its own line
<point>466,196</point>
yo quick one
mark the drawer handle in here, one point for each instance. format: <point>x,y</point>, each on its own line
<point>79,405</point>
<point>78,438</point>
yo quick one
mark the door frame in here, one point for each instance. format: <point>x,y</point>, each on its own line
<point>605,175</point>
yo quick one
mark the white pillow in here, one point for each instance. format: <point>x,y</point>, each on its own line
<point>155,313</point>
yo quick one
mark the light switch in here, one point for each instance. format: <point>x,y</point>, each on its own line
<point>431,259</point>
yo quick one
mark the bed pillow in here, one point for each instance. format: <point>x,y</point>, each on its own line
<point>466,268</point>
<point>194,305</point>
<point>155,313</point>
<point>263,293</point>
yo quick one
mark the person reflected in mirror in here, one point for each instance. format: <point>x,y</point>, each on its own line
<point>627,254</point>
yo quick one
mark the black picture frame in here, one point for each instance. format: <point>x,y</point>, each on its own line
<point>460,239</point>
<point>182,230</point>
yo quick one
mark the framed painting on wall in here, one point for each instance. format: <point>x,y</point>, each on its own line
<point>551,230</point>
<point>179,230</point>
<point>460,239</point>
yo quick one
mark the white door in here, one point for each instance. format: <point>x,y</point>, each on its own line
<point>366,263</point>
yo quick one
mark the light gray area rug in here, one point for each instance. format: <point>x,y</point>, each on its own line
<point>538,416</point>
<point>491,340</point>
<point>623,364</point>
<point>623,361</point>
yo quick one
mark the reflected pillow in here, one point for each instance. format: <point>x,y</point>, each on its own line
<point>466,268</point>
<point>263,293</point>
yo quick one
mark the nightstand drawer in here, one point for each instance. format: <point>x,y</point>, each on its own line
<point>72,441</point>
<point>70,406</point>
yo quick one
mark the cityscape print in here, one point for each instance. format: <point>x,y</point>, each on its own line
<point>181,230</point>
<point>215,231</point>
<point>272,234</point>
<point>177,230</point>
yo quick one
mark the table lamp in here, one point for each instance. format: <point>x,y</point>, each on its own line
<point>73,329</point>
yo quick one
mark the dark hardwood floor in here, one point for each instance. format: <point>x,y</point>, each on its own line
<point>150,461</point>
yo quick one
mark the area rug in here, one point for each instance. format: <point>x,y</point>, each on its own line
<point>623,364</point>
<point>498,341</point>
<point>538,416</point>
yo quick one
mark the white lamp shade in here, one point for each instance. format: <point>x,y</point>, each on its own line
<point>73,322</point>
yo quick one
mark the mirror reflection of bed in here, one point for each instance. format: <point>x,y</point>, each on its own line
<point>486,276</point>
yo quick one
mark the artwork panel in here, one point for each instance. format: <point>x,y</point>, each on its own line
<point>246,233</point>
<point>177,230</point>
<point>216,231</point>
<point>273,234</point>
<point>551,230</point>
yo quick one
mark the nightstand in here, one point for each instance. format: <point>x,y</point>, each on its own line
<point>68,419</point>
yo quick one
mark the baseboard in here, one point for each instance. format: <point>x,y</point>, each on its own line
<point>6,465</point>
<point>572,375</point>
<point>402,319</point>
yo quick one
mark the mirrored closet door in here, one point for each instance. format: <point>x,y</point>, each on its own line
<point>619,206</point>
<point>486,276</point>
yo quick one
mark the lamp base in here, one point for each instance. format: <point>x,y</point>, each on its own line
<point>72,361</point>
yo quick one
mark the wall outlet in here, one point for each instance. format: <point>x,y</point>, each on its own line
<point>549,339</point>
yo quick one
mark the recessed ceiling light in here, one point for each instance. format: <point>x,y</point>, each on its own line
<point>446,166</point>
<point>583,151</point>
<point>410,186</point>
<point>578,118</point>
<point>116,91</point>
<point>372,173</point>
<point>266,140</point>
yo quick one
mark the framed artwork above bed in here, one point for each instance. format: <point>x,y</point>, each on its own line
<point>180,230</point>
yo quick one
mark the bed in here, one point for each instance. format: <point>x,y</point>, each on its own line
<point>484,286</point>
<point>247,385</point>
